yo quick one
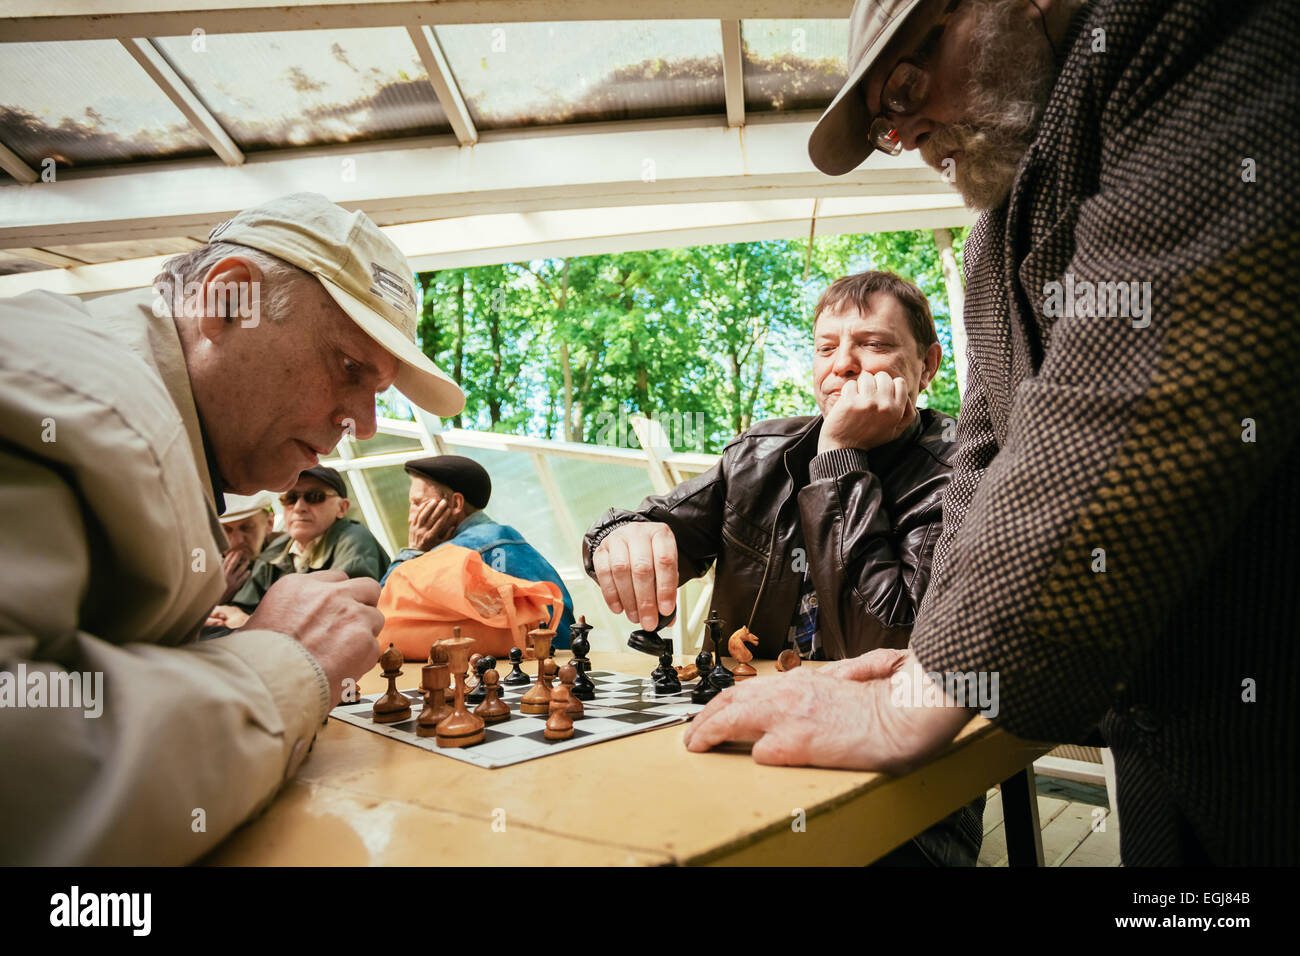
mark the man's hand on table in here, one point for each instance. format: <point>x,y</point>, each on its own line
<point>434,523</point>
<point>843,715</point>
<point>332,615</point>
<point>636,568</point>
<point>870,411</point>
<point>226,615</point>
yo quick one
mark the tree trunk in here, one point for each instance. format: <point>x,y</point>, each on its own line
<point>956,303</point>
<point>458,371</point>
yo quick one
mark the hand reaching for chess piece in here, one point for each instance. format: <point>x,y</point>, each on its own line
<point>332,616</point>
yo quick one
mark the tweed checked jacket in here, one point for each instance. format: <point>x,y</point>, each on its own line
<point>1165,446</point>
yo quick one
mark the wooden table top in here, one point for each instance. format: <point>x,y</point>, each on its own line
<point>364,799</point>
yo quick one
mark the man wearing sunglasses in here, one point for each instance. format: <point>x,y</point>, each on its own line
<point>318,537</point>
<point>1120,531</point>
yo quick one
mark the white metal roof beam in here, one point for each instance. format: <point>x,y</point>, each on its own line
<point>29,20</point>
<point>733,72</point>
<point>444,84</point>
<point>14,165</point>
<point>503,237</point>
<point>179,92</point>
<point>592,166</point>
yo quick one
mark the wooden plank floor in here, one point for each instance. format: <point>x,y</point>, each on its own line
<point>1075,833</point>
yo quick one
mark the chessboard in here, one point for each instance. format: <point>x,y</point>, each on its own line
<point>624,705</point>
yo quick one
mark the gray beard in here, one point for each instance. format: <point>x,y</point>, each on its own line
<point>1011,78</point>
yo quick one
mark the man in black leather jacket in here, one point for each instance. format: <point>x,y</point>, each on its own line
<point>822,527</point>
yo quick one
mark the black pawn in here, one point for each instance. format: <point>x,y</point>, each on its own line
<point>516,677</point>
<point>668,682</point>
<point>583,688</point>
<point>704,690</point>
<point>479,693</point>
<point>665,668</point>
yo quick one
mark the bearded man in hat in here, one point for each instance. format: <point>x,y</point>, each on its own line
<point>123,423</point>
<point>447,498</point>
<point>318,537</point>
<point>1120,530</point>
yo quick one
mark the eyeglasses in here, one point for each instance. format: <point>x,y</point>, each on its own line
<point>313,497</point>
<point>906,88</point>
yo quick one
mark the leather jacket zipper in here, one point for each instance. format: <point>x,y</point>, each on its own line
<point>771,545</point>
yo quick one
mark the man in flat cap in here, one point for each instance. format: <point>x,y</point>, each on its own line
<point>123,421</point>
<point>1120,530</point>
<point>318,537</point>
<point>447,498</point>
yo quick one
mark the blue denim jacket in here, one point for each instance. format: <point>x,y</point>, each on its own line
<point>504,549</point>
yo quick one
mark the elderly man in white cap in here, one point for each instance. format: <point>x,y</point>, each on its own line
<point>249,523</point>
<point>1119,544</point>
<point>123,422</point>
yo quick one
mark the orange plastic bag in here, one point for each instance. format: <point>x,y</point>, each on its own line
<point>425,597</point>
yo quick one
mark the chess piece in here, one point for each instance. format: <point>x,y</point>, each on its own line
<point>665,667</point>
<point>471,682</point>
<point>583,688</point>
<point>668,683</point>
<point>538,698</point>
<point>788,660</point>
<point>719,677</point>
<point>460,728</point>
<point>704,691</point>
<point>434,680</point>
<point>393,706</point>
<point>485,663</point>
<point>493,710</point>
<point>516,677</point>
<point>736,644</point>
<point>687,672</point>
<point>559,726</point>
<point>568,675</point>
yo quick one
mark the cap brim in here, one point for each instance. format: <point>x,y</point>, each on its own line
<point>418,378</point>
<point>838,143</point>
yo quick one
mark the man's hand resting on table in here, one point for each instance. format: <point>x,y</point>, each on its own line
<point>845,718</point>
<point>332,615</point>
<point>636,568</point>
<point>869,411</point>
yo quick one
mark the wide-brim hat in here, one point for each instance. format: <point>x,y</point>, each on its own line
<point>839,142</point>
<point>362,270</point>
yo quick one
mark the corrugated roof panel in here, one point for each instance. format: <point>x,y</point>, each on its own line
<point>86,103</point>
<point>545,74</point>
<point>793,64</point>
<point>306,88</point>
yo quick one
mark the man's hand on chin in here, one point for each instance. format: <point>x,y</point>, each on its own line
<point>806,718</point>
<point>870,411</point>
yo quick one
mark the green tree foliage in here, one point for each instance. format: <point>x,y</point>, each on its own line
<point>707,339</point>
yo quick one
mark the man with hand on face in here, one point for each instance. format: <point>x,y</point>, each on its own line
<point>1119,541</point>
<point>318,537</point>
<point>822,527</point>
<point>447,497</point>
<point>249,523</point>
<point>123,422</point>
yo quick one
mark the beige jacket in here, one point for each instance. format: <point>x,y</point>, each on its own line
<point>110,559</point>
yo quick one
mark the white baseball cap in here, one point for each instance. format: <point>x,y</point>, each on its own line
<point>239,507</point>
<point>839,142</point>
<point>362,270</point>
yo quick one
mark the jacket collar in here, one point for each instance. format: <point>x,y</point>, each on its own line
<point>135,321</point>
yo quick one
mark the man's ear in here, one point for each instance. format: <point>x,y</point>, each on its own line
<point>344,505</point>
<point>216,302</point>
<point>933,356</point>
<point>457,501</point>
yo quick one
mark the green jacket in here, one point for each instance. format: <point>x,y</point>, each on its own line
<point>347,546</point>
